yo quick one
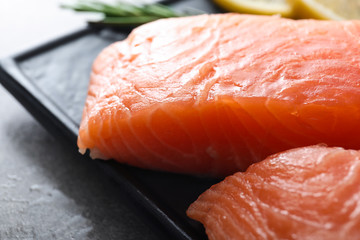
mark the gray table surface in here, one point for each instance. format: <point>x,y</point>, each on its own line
<point>46,190</point>
<point>49,192</point>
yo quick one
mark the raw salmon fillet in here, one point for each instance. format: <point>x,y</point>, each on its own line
<point>211,94</point>
<point>305,193</point>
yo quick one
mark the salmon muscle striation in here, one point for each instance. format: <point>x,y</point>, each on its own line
<point>305,193</point>
<point>211,94</point>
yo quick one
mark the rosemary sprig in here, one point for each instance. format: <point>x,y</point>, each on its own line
<point>124,14</point>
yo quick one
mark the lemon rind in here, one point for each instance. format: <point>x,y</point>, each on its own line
<point>264,8</point>
<point>315,10</point>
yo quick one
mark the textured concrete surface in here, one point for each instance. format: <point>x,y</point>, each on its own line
<point>47,191</point>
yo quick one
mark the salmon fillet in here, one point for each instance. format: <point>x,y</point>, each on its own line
<point>211,94</point>
<point>305,193</point>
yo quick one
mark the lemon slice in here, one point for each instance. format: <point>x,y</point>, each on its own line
<point>265,7</point>
<point>327,9</point>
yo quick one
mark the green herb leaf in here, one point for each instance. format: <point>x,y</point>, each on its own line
<point>124,14</point>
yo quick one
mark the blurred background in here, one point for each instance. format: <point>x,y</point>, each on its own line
<point>47,191</point>
<point>26,23</point>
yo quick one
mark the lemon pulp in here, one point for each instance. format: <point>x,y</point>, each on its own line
<point>265,7</point>
<point>327,9</point>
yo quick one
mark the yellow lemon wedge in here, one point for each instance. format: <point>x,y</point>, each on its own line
<point>264,7</point>
<point>327,9</point>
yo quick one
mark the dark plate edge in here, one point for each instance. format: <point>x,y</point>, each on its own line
<point>60,125</point>
<point>35,102</point>
<point>53,43</point>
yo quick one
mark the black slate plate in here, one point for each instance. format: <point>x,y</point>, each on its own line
<point>51,82</point>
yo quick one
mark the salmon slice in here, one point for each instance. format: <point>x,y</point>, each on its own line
<point>305,193</point>
<point>211,94</point>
